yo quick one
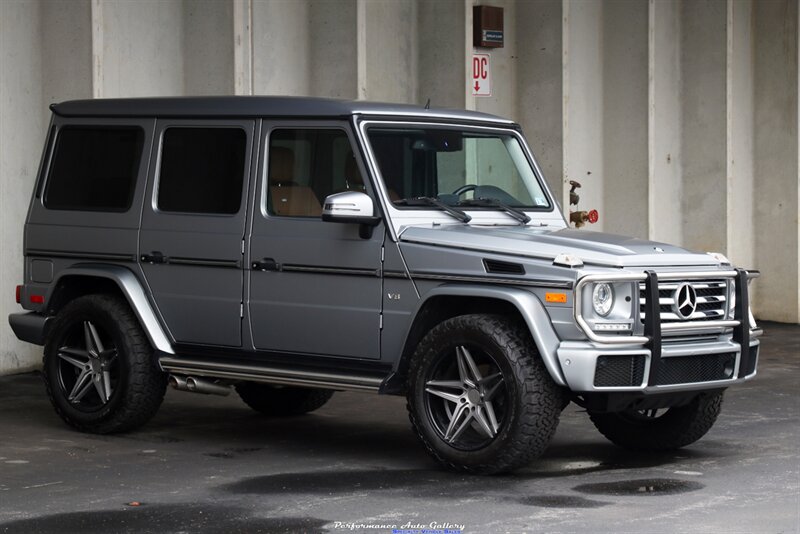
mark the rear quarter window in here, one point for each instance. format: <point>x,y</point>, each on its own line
<point>94,168</point>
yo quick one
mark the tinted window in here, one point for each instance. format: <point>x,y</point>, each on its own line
<point>202,170</point>
<point>94,168</point>
<point>305,166</point>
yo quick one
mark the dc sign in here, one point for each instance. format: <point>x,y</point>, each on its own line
<point>481,83</point>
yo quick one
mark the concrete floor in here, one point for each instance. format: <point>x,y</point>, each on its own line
<point>209,464</point>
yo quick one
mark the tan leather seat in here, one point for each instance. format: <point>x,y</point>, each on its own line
<point>289,199</point>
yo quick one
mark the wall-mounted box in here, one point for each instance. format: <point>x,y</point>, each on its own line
<point>487,26</point>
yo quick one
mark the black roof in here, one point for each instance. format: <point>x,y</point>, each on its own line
<point>255,106</point>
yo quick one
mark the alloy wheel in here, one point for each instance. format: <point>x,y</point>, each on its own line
<point>88,371</point>
<point>466,398</point>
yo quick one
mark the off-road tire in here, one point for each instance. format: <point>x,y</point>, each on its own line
<point>678,427</point>
<point>282,401</point>
<point>535,401</point>
<point>141,384</point>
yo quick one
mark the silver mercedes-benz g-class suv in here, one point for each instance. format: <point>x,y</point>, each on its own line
<point>288,248</point>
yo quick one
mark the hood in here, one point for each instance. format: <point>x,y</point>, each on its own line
<point>594,248</point>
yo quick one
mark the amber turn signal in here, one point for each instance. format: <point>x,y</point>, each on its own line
<point>556,297</point>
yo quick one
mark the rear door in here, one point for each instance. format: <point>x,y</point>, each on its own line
<point>191,242</point>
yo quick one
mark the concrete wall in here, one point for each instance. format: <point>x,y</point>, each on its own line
<point>775,157</point>
<point>665,185</point>
<point>679,117</point>
<point>22,127</point>
<point>625,120</point>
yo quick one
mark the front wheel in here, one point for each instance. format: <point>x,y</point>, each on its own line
<point>660,430</point>
<point>479,396</point>
<point>99,368</point>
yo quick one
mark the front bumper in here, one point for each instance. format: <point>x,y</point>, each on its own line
<point>687,366</point>
<point>653,363</point>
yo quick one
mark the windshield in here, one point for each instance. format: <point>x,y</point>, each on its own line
<point>457,167</point>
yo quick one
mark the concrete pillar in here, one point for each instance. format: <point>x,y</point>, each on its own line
<point>664,122</point>
<point>703,129</point>
<point>775,157</point>
<point>442,53</point>
<point>389,53</point>
<point>583,103</point>
<point>208,47</point>
<point>66,51</point>
<point>503,101</point>
<point>624,120</point>
<point>333,50</point>
<point>142,49</point>
<point>740,126</point>
<point>243,47</point>
<point>281,44</point>
<point>539,80</point>
<point>22,129</point>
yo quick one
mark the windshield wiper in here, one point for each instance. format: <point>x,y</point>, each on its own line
<point>519,215</point>
<point>430,201</point>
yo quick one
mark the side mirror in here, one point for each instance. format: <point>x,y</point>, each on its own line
<point>351,207</point>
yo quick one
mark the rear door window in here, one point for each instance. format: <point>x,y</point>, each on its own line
<point>202,170</point>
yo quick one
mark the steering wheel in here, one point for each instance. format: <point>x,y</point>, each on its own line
<point>464,189</point>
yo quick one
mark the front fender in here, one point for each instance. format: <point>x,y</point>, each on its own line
<point>529,307</point>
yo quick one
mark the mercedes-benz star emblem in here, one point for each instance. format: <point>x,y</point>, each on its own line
<point>685,299</point>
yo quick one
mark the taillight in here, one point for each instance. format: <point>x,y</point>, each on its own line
<point>19,294</point>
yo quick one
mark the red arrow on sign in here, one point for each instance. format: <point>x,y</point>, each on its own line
<point>477,86</point>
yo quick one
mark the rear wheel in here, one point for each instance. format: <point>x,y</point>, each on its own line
<point>280,401</point>
<point>480,398</point>
<point>660,430</point>
<point>99,368</point>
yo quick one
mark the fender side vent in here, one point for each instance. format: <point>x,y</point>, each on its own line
<point>502,267</point>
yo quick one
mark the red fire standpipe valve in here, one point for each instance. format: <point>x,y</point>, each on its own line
<point>580,218</point>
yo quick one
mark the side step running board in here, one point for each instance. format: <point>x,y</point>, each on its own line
<point>270,374</point>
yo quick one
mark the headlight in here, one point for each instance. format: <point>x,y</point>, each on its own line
<point>602,298</point>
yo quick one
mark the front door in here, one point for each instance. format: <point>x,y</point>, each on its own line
<point>315,287</point>
<point>192,237</point>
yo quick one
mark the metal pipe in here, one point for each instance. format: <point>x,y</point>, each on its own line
<point>201,385</point>
<point>197,385</point>
<point>178,382</point>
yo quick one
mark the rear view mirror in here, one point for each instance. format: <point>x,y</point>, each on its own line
<point>351,207</point>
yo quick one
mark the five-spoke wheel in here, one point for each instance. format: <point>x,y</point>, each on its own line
<point>461,399</point>
<point>99,367</point>
<point>479,396</point>
<point>88,371</point>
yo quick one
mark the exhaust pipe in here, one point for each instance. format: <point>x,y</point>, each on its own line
<point>178,382</point>
<point>198,385</point>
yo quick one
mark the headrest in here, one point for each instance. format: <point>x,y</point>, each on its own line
<point>281,164</point>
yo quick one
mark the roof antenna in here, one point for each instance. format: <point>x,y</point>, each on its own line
<point>428,104</point>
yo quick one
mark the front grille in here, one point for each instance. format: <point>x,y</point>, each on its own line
<point>692,369</point>
<point>619,371</point>
<point>712,300</point>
